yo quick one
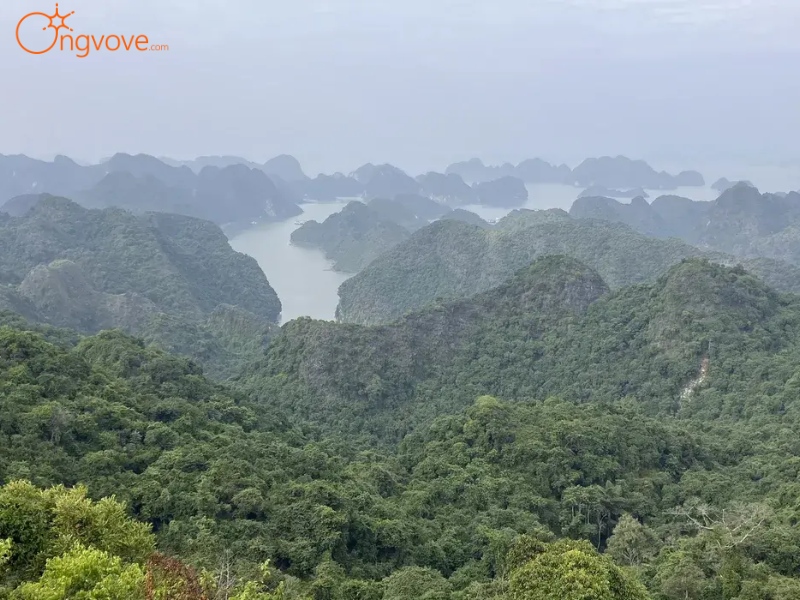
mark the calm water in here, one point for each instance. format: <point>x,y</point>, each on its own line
<point>302,278</point>
<point>307,287</point>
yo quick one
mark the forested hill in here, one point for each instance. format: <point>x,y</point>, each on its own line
<point>169,278</point>
<point>355,236</point>
<point>369,379</point>
<point>741,221</point>
<point>588,437</point>
<point>451,260</point>
<point>549,331</point>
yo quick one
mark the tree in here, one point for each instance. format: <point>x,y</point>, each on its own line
<point>416,583</point>
<point>679,577</point>
<point>572,570</point>
<point>45,523</point>
<point>728,528</point>
<point>168,578</point>
<point>86,574</point>
<point>631,544</point>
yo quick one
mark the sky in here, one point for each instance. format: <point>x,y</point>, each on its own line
<point>417,83</point>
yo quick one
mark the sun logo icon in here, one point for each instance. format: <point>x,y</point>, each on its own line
<point>55,22</point>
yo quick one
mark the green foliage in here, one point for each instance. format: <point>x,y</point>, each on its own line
<point>85,574</point>
<point>450,260</point>
<point>762,228</point>
<point>632,544</point>
<point>42,524</point>
<point>439,457</point>
<point>411,583</point>
<point>567,570</point>
<point>359,233</point>
<point>5,552</point>
<point>171,279</point>
<point>551,330</point>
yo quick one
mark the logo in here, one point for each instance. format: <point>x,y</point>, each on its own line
<point>32,41</point>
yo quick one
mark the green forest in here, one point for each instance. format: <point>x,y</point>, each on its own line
<point>170,279</point>
<point>548,439</point>
<point>452,260</point>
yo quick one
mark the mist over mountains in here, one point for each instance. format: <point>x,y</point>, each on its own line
<point>235,193</point>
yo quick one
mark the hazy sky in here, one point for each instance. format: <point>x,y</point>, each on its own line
<point>418,83</point>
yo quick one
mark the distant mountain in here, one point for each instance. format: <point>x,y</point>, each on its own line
<point>237,193</point>
<point>326,188</point>
<point>353,237</point>
<point>286,167</point>
<point>474,171</point>
<point>385,181</point>
<point>638,215</point>
<point>287,191</point>
<point>422,207</point>
<point>746,223</point>
<point>20,175</point>
<point>137,193</point>
<point>723,184</point>
<point>360,232</point>
<point>211,161</point>
<point>452,260</point>
<point>365,172</point>
<point>168,278</point>
<point>536,170</point>
<point>398,212</point>
<point>600,191</point>
<point>449,189</point>
<point>740,222</point>
<point>622,172</point>
<point>506,192</point>
<point>608,172</point>
<point>681,217</point>
<point>142,165</point>
<point>230,195</point>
